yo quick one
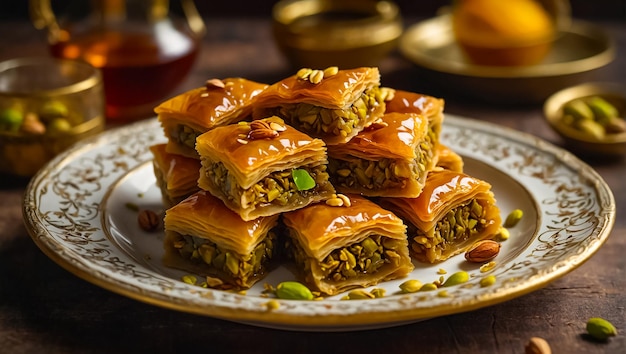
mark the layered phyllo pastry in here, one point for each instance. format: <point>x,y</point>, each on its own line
<point>355,245</point>
<point>448,159</point>
<point>203,236</point>
<point>391,157</point>
<point>410,102</point>
<point>452,213</point>
<point>264,167</point>
<point>176,175</point>
<point>330,104</point>
<point>219,102</point>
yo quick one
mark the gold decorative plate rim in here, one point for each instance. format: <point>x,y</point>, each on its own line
<point>64,205</point>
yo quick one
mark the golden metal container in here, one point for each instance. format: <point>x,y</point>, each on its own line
<point>46,105</point>
<point>347,34</point>
<point>575,57</point>
<point>612,145</point>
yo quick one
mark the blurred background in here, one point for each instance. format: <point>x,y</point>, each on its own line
<point>598,9</point>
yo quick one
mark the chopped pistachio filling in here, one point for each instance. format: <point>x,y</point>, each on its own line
<point>384,173</point>
<point>277,188</point>
<point>358,259</point>
<point>319,121</point>
<point>458,225</point>
<point>222,262</point>
<point>185,135</point>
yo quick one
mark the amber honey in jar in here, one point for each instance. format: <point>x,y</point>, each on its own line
<point>143,52</point>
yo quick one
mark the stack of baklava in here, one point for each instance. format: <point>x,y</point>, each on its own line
<point>346,177</point>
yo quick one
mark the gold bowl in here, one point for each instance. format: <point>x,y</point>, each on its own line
<point>611,145</point>
<point>496,33</point>
<point>347,34</point>
<point>46,105</point>
<point>576,56</point>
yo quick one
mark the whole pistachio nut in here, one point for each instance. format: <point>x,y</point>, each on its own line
<point>411,286</point>
<point>293,290</point>
<point>601,109</point>
<point>428,287</point>
<point>53,109</point>
<point>11,119</point>
<point>59,126</point>
<point>513,218</point>
<point>456,279</point>
<point>592,129</point>
<point>578,109</point>
<point>600,328</point>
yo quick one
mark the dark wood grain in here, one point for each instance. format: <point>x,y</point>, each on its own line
<point>45,309</point>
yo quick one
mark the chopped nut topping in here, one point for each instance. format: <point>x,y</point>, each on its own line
<point>258,134</point>
<point>277,127</point>
<point>259,124</point>
<point>214,83</point>
<point>387,93</point>
<point>338,200</point>
<point>330,71</point>
<point>315,76</point>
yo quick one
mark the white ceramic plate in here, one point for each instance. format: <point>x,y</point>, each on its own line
<point>75,210</point>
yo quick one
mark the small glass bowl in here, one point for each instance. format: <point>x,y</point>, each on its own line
<point>347,34</point>
<point>46,105</point>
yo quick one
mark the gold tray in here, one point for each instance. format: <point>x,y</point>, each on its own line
<point>575,56</point>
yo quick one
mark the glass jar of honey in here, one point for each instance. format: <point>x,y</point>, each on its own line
<point>143,50</point>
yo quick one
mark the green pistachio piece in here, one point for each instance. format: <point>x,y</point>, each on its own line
<point>411,286</point>
<point>53,109</point>
<point>488,281</point>
<point>378,292</point>
<point>428,287</point>
<point>578,109</point>
<point>293,290</point>
<point>59,126</point>
<point>591,128</point>
<point>600,328</point>
<point>601,109</point>
<point>11,119</point>
<point>189,279</point>
<point>513,218</point>
<point>456,279</point>
<point>302,179</point>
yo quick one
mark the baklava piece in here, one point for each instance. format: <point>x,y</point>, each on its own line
<point>203,236</point>
<point>452,213</point>
<point>334,108</point>
<point>391,157</point>
<point>263,168</point>
<point>176,175</point>
<point>219,102</point>
<point>355,245</point>
<point>448,159</point>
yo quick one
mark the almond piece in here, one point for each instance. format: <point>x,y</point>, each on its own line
<point>482,251</point>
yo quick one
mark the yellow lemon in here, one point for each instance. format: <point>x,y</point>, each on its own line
<point>497,32</point>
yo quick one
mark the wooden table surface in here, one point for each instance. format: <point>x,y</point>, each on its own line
<point>46,309</point>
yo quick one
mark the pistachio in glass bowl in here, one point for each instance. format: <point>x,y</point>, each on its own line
<point>46,105</point>
<point>590,118</point>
